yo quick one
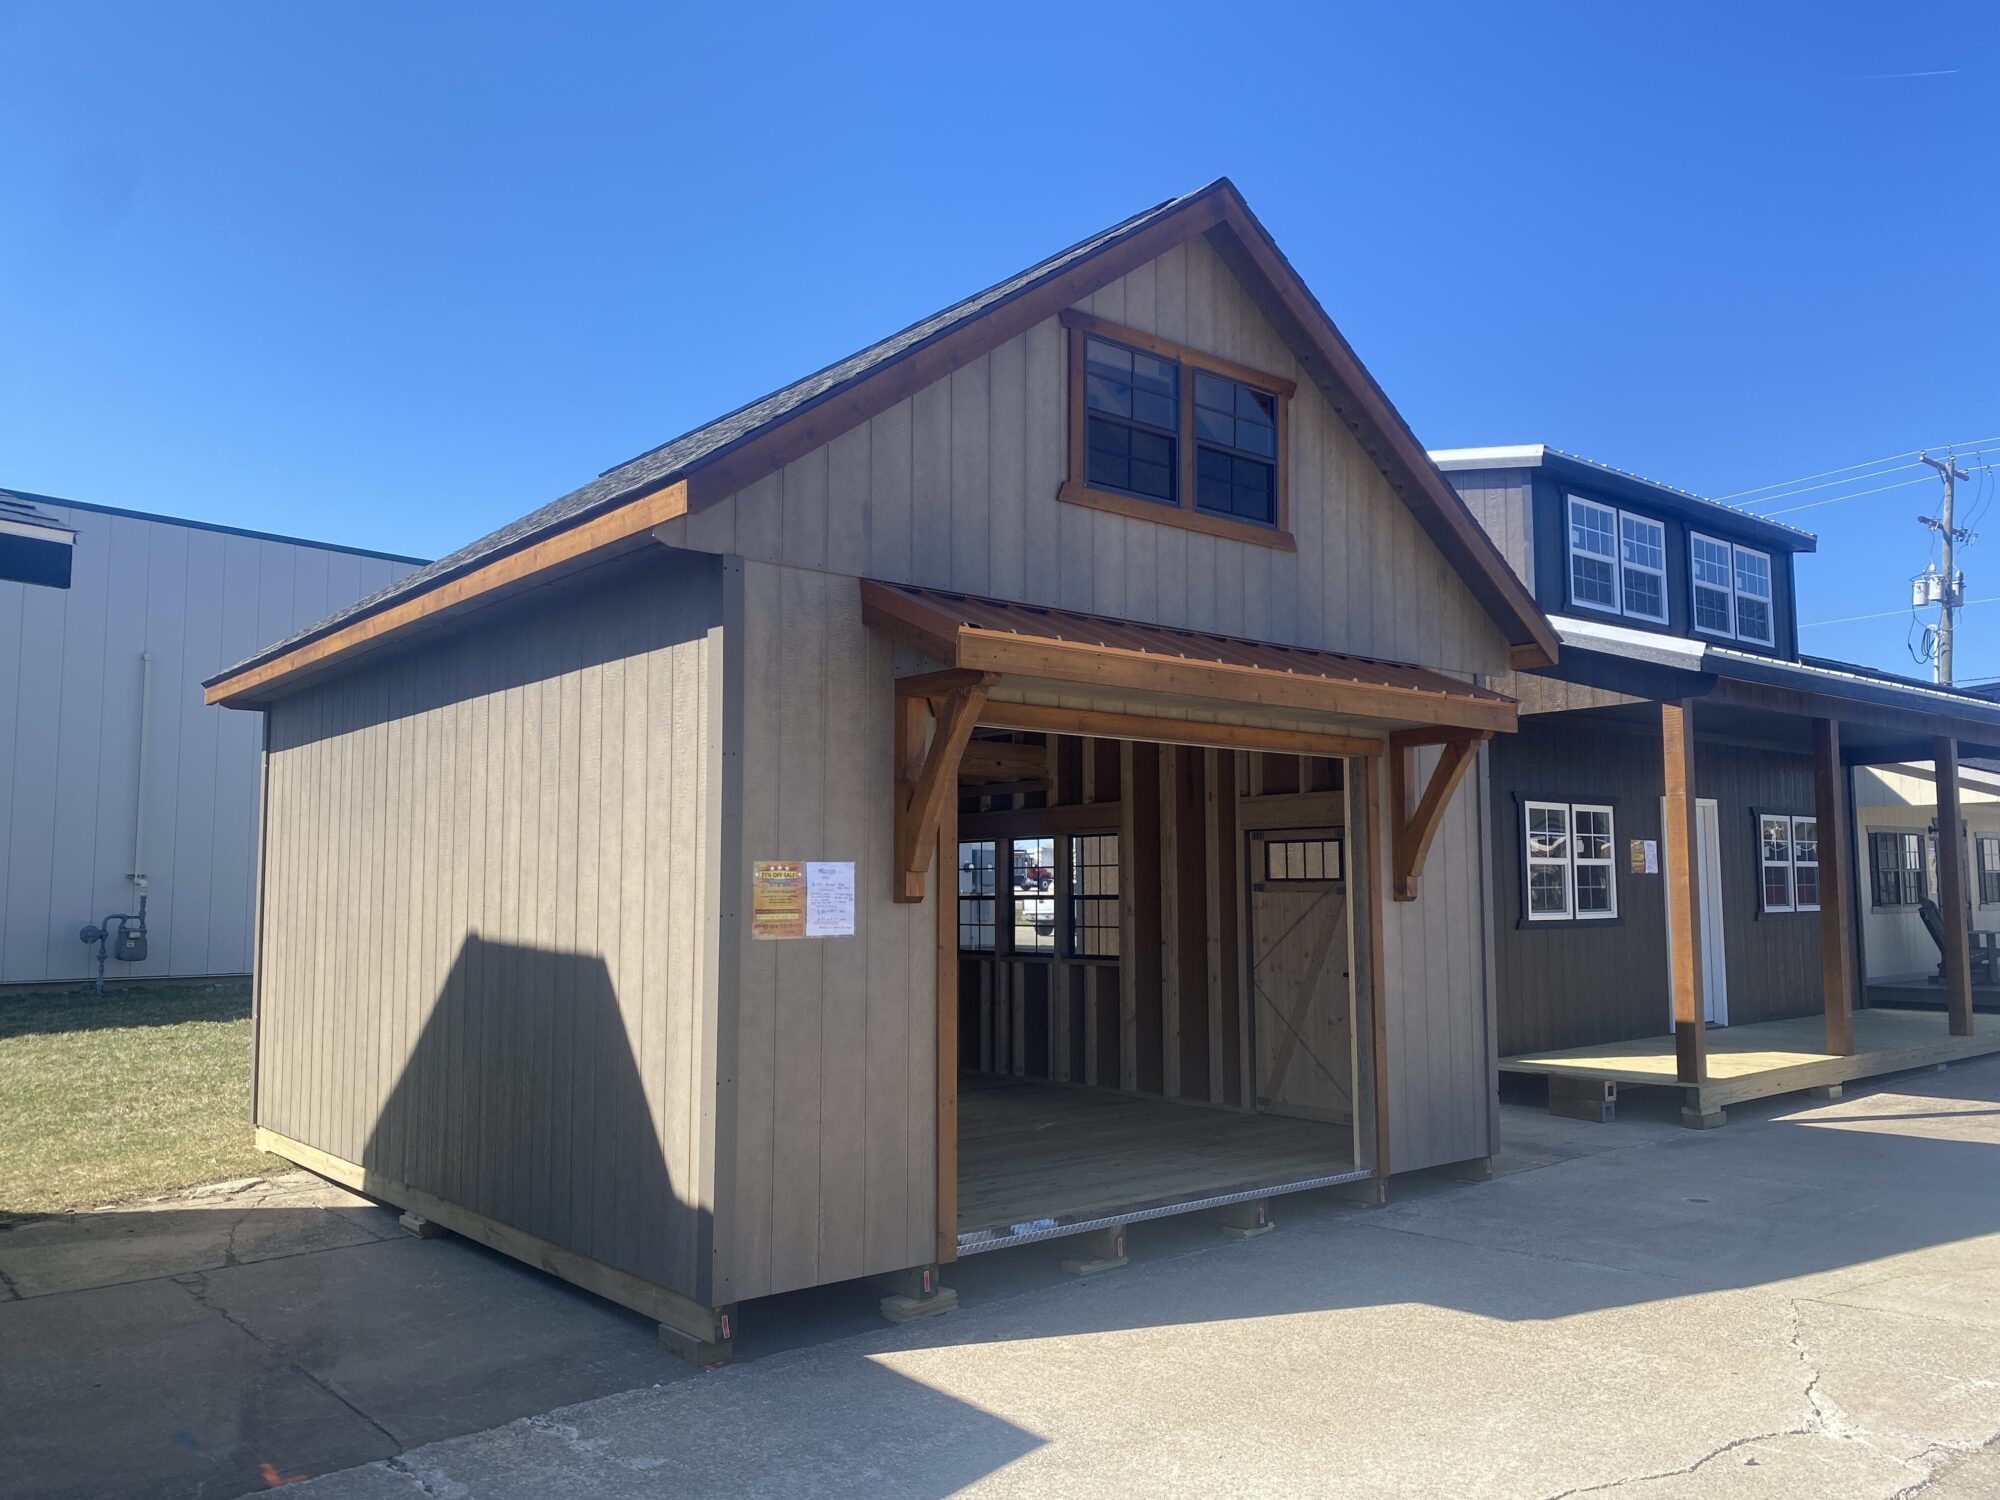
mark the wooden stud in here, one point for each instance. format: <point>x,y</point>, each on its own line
<point>1836,869</point>
<point>1169,813</point>
<point>1683,903</point>
<point>1954,899</point>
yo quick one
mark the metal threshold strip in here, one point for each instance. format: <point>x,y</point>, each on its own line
<point>973,1242</point>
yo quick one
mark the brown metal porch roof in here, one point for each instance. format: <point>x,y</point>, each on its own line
<point>998,636</point>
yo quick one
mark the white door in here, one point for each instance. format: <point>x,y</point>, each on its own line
<point>1708,886</point>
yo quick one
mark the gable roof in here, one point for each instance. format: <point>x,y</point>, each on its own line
<point>22,497</point>
<point>619,509</point>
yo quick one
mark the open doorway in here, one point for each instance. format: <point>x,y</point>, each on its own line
<point>1157,997</point>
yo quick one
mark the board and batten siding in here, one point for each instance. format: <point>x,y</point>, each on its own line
<point>828,1089</point>
<point>490,925</point>
<point>71,674</point>
<point>955,487</point>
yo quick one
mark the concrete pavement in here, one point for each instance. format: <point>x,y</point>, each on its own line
<point>1801,1304</point>
<point>1804,1304</point>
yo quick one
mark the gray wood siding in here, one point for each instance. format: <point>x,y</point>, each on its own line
<point>1499,500</point>
<point>1440,1042</point>
<point>827,1097</point>
<point>70,710</point>
<point>1576,984</point>
<point>956,488</point>
<point>487,959</point>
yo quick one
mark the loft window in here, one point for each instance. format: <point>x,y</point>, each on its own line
<point>1570,870</point>
<point>1896,862</point>
<point>1291,860</point>
<point>1093,895</point>
<point>1132,421</point>
<point>976,895</point>
<point>1166,433</point>
<point>1732,589</point>
<point>1788,859</point>
<point>1236,449</point>
<point>1989,870</point>
<point>1617,561</point>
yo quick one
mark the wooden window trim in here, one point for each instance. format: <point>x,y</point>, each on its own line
<point>1076,491</point>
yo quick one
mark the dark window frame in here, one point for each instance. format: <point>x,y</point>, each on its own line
<point>1080,902</point>
<point>1989,879</point>
<point>1898,879</point>
<point>976,895</point>
<point>1185,511</point>
<point>1571,919</point>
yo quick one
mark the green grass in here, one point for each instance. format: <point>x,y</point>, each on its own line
<point>110,1097</point>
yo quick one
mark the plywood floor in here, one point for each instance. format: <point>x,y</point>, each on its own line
<point>1771,1057</point>
<point>1035,1159</point>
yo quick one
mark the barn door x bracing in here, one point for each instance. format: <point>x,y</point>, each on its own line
<point>1300,963</point>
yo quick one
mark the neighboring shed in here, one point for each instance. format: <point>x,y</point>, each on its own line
<point>602,917</point>
<point>116,782</point>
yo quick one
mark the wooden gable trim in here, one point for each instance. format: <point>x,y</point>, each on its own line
<point>594,541</point>
<point>1416,827</point>
<point>1218,212</point>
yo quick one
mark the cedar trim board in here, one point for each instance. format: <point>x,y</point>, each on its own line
<point>972,633</point>
<point>649,1299</point>
<point>592,542</point>
<point>763,448</point>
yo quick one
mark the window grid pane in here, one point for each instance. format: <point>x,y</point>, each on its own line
<point>1032,888</point>
<point>976,895</point>
<point>1132,402</point>
<point>1236,449</point>
<point>1643,554</point>
<point>1301,859</point>
<point>1093,884</point>
<point>1593,554</point>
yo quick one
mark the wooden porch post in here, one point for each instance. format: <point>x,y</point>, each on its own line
<point>1683,903</point>
<point>1836,869</point>
<point>1953,905</point>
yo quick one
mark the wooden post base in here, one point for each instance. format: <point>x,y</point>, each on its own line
<point>1100,1250</point>
<point>422,1228</point>
<point>1825,1091</point>
<point>712,1344</point>
<point>915,1293</point>
<point>1369,1192</point>
<point>1245,1221</point>
<point>1703,1119</point>
<point>1593,1099</point>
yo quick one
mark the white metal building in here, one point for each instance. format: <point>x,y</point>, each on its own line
<point>114,778</point>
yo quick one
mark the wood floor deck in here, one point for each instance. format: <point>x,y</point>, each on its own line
<point>1771,1057</point>
<point>1036,1161</point>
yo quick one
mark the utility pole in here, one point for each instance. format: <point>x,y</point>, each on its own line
<point>1952,592</point>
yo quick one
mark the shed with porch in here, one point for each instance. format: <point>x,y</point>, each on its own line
<point>1023,780</point>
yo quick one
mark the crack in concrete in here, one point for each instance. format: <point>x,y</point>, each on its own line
<point>196,1286</point>
<point>453,1490</point>
<point>7,1285</point>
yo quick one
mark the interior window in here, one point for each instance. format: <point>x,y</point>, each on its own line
<point>1093,895</point>
<point>1132,409</point>
<point>1033,889</point>
<point>976,895</point>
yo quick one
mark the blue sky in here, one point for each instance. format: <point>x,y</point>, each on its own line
<point>395,274</point>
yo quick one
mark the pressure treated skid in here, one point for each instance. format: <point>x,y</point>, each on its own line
<point>1759,1060</point>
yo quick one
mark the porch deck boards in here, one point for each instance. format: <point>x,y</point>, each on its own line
<point>1039,1160</point>
<point>1769,1057</point>
<point>1921,992</point>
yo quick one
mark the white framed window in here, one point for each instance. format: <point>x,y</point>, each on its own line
<point>1753,596</point>
<point>1593,554</point>
<point>1732,590</point>
<point>1570,863</point>
<point>1788,860</point>
<point>1713,576</point>
<point>1596,885</point>
<point>1642,549</point>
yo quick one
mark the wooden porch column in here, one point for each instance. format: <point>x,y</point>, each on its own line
<point>1683,903</point>
<point>1953,904</point>
<point>1836,870</point>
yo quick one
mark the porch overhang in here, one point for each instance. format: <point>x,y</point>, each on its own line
<point>1025,643</point>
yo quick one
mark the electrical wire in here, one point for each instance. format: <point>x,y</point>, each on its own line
<point>1836,499</point>
<point>1786,484</point>
<point>1886,614</point>
<point>1832,484</point>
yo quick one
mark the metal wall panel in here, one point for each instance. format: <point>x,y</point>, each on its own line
<point>72,700</point>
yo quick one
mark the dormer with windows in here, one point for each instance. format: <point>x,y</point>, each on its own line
<point>1597,544</point>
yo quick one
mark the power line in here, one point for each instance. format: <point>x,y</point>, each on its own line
<point>1830,484</point>
<point>1782,484</point>
<point>1836,499</point>
<point>1887,614</point>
